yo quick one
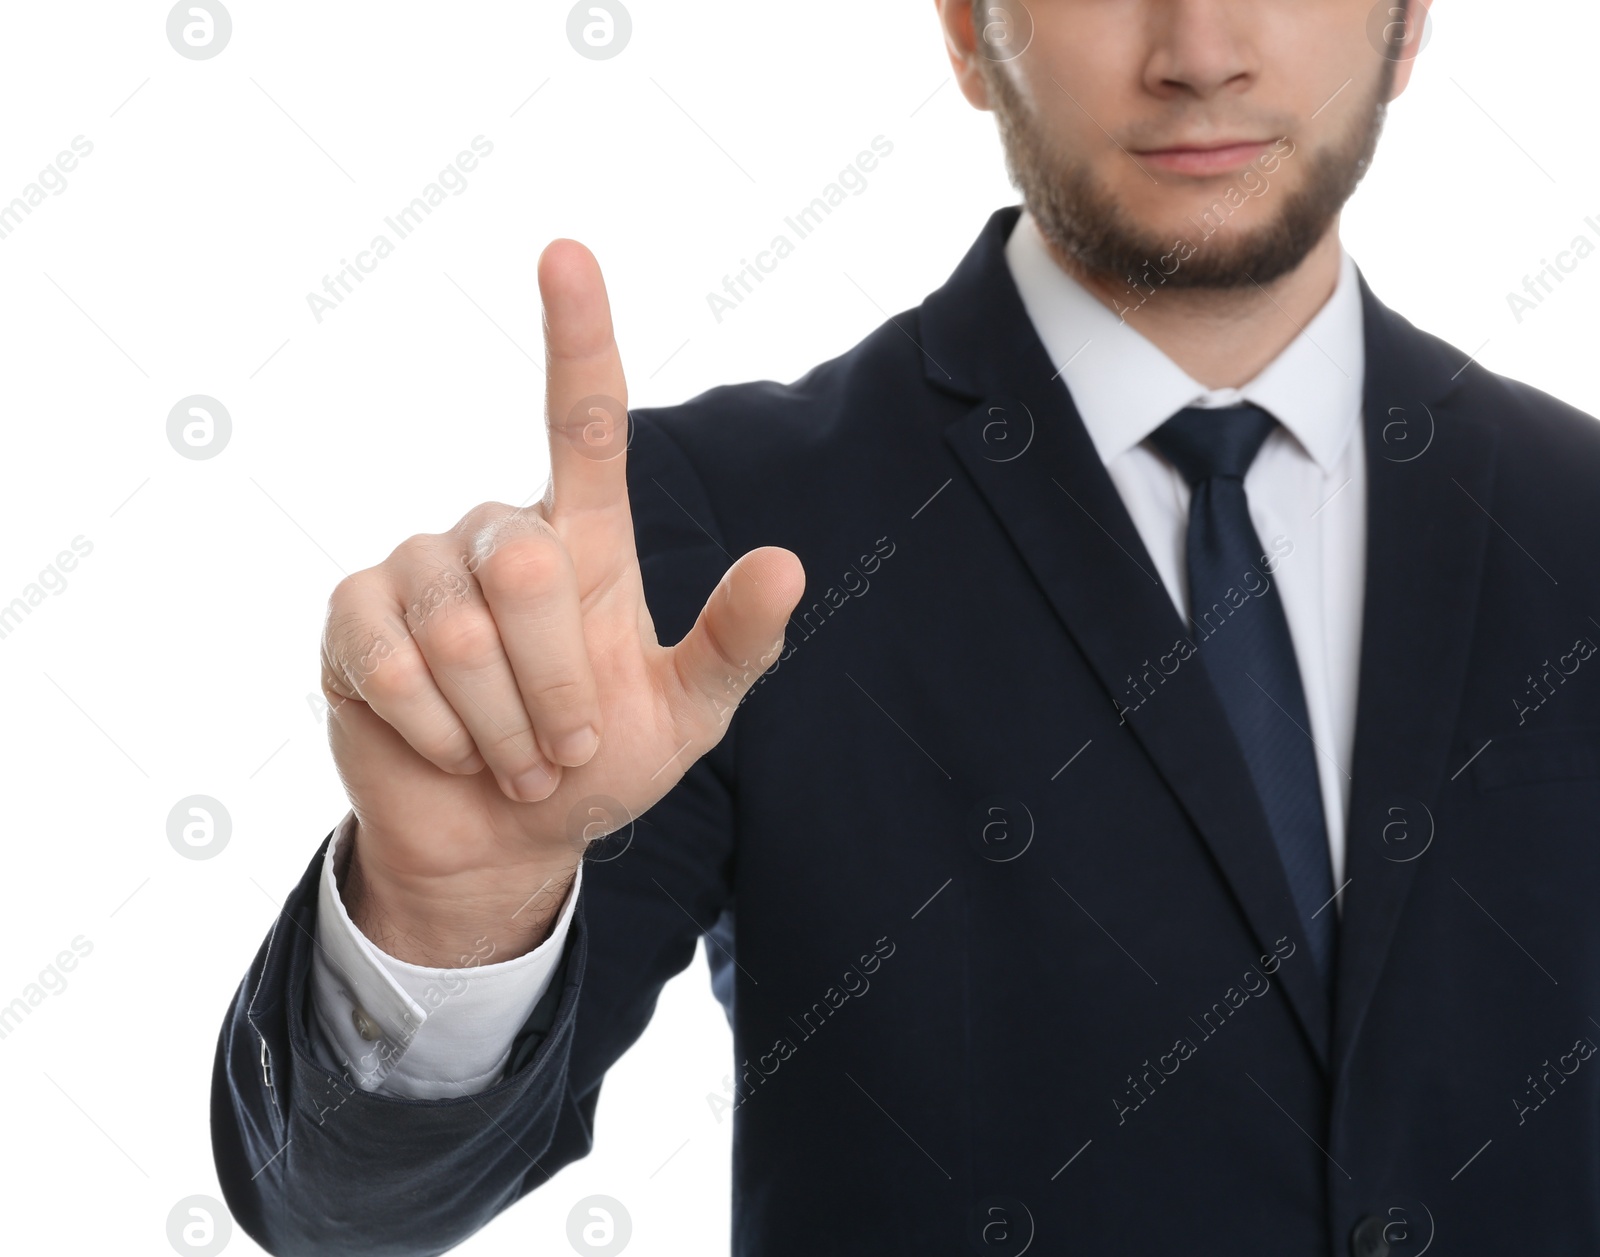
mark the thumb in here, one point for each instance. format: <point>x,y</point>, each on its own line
<point>736,638</point>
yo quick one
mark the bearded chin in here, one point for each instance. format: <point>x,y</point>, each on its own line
<point>1085,224</point>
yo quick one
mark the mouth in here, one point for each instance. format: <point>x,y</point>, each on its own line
<point>1205,161</point>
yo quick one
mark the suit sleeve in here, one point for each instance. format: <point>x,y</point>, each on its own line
<point>311,1163</point>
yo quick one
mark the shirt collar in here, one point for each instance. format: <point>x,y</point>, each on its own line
<point>1125,388</point>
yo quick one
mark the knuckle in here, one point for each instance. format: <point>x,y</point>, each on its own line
<point>531,562</point>
<point>417,543</point>
<point>467,637</point>
<point>355,647</point>
<point>561,694</point>
<point>512,747</point>
<point>731,668</point>
<point>355,593</point>
<point>447,744</point>
<point>393,678</point>
<point>348,592</point>
<point>484,514</point>
<point>439,586</point>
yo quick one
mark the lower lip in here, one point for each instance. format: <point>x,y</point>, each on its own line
<point>1203,162</point>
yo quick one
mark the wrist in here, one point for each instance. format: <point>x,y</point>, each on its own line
<point>476,917</point>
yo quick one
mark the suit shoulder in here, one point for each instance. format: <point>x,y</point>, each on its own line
<point>1532,426</point>
<point>1545,429</point>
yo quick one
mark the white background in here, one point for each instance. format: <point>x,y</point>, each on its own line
<point>179,657</point>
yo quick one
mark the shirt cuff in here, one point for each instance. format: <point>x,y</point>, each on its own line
<point>407,1030</point>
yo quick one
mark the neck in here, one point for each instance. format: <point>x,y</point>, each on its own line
<point>1224,338</point>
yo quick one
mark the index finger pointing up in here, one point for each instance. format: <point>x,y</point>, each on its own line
<point>586,397</point>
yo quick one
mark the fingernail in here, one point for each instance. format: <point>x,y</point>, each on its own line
<point>534,784</point>
<point>577,747</point>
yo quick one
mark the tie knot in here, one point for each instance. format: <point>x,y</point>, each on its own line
<point>1203,444</point>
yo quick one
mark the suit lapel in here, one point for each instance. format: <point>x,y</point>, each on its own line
<point>1028,454</point>
<point>1429,480</point>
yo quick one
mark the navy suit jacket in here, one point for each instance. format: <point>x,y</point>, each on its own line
<point>999,962</point>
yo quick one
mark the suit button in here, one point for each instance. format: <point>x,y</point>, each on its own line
<point>1368,1239</point>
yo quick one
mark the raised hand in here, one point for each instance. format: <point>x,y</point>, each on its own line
<point>488,681</point>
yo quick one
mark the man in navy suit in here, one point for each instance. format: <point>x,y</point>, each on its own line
<point>1161,815</point>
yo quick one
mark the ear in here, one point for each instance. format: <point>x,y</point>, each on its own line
<point>961,43</point>
<point>1416,21</point>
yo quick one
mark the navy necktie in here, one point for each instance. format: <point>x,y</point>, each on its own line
<point>1243,637</point>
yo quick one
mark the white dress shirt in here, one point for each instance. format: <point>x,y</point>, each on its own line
<point>404,1030</point>
<point>1308,484</point>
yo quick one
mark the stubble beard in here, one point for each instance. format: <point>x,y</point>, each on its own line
<point>1088,228</point>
